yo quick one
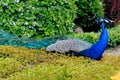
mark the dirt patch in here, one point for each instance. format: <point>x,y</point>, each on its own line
<point>113,51</point>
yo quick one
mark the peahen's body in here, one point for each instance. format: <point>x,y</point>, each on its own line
<point>61,44</point>
<point>83,48</point>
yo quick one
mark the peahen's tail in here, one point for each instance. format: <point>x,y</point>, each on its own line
<point>10,39</point>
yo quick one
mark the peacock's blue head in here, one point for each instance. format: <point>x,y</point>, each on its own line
<point>98,20</point>
<point>105,20</point>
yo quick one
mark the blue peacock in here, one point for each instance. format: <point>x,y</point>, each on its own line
<point>83,48</point>
<point>63,44</point>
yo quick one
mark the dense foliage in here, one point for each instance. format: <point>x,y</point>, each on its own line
<point>27,18</point>
<point>114,36</point>
<point>29,64</point>
<point>87,12</point>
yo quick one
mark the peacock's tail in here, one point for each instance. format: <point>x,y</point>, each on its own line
<point>11,39</point>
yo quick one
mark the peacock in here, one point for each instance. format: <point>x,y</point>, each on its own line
<point>62,44</point>
<point>83,48</point>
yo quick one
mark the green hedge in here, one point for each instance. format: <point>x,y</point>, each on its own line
<point>114,36</point>
<point>37,17</point>
<point>87,10</point>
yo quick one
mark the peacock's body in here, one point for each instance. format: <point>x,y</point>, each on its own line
<point>61,44</point>
<point>65,46</point>
<point>83,48</point>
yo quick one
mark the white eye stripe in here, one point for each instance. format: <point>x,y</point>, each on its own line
<point>107,21</point>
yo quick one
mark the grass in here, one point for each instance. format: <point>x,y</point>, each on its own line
<point>18,63</point>
<point>116,76</point>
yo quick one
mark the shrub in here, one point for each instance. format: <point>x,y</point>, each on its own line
<point>114,36</point>
<point>87,9</point>
<point>33,17</point>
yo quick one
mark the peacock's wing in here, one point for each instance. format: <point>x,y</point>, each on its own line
<point>64,46</point>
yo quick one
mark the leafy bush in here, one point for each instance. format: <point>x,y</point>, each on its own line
<point>33,17</point>
<point>114,36</point>
<point>87,9</point>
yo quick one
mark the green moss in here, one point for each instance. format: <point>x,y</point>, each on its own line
<point>31,64</point>
<point>9,66</point>
<point>116,76</point>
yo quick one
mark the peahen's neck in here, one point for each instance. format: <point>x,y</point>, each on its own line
<point>97,50</point>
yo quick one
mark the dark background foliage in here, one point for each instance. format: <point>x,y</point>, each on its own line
<point>87,12</point>
<point>112,10</point>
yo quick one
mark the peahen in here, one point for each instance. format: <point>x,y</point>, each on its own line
<point>83,48</point>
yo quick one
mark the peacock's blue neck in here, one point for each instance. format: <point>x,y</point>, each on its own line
<point>96,51</point>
